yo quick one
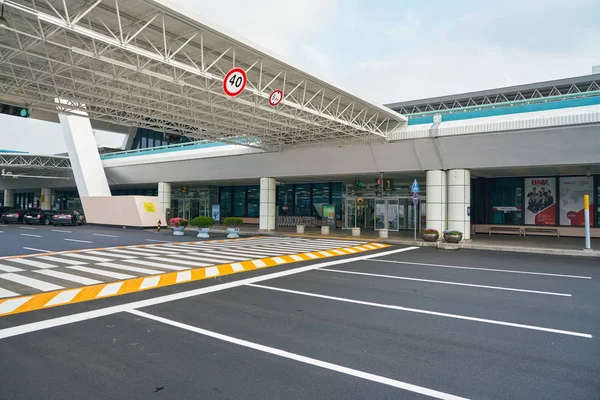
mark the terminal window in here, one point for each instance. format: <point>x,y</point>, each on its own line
<point>507,201</point>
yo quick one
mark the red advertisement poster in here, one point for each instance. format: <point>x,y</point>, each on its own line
<point>541,201</point>
<point>572,190</point>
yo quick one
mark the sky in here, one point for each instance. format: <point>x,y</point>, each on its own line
<point>394,50</point>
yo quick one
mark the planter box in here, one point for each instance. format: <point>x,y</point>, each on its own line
<point>203,233</point>
<point>430,237</point>
<point>299,228</point>
<point>383,233</point>
<point>232,233</point>
<point>178,230</point>
<point>324,230</point>
<point>355,232</point>
<point>453,238</point>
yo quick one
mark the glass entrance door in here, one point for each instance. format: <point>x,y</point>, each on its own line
<point>350,214</point>
<point>380,214</point>
<point>393,214</point>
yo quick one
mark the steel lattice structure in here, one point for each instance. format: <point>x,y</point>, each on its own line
<point>141,63</point>
<point>16,165</point>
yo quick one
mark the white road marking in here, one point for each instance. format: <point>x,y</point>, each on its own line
<point>151,251</point>
<point>86,257</point>
<point>237,267</point>
<point>60,230</point>
<point>63,297</point>
<point>33,263</point>
<point>159,265</point>
<point>184,276</point>
<point>12,305</point>
<point>109,289</point>
<point>28,227</point>
<point>7,293</point>
<point>7,268</point>
<point>157,241</point>
<point>212,271</point>
<point>212,255</point>
<point>485,269</point>
<point>279,260</point>
<point>106,254</point>
<point>34,249</point>
<point>68,277</point>
<point>103,235</point>
<point>150,282</point>
<point>259,263</point>
<point>33,283</point>
<point>62,260</point>
<point>30,235</point>
<point>303,359</point>
<point>184,262</point>
<point>134,253</point>
<point>202,258</point>
<point>446,282</point>
<point>420,311</point>
<point>78,241</point>
<point>102,272</point>
<point>132,269</point>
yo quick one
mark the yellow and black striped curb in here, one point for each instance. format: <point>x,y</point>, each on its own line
<point>21,304</point>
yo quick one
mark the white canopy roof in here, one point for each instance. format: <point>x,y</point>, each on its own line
<point>143,63</point>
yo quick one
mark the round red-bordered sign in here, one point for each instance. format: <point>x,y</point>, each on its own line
<point>275,97</point>
<point>234,82</point>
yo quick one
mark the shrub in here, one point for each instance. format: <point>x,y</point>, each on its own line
<point>233,222</point>
<point>429,232</point>
<point>203,222</point>
<point>178,222</point>
<point>452,232</point>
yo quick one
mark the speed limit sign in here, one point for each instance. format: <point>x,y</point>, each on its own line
<point>275,97</point>
<point>234,82</point>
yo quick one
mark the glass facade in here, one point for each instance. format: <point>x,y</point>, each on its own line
<point>320,197</point>
<point>225,200</point>
<point>285,200</point>
<point>507,201</point>
<point>253,201</point>
<point>302,200</point>
<point>146,138</point>
<point>240,201</point>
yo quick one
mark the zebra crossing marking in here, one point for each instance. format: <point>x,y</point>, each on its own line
<point>68,277</point>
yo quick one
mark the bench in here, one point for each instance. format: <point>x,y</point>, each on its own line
<point>542,230</point>
<point>499,229</point>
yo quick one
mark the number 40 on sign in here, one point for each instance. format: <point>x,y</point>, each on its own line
<point>234,82</point>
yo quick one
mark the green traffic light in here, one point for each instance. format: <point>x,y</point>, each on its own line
<point>25,113</point>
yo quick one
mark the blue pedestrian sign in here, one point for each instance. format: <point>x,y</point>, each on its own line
<point>415,187</point>
<point>415,199</point>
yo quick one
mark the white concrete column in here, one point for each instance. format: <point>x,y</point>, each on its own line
<point>83,152</point>
<point>268,198</point>
<point>164,195</point>
<point>459,200</point>
<point>436,200</point>
<point>9,198</point>
<point>46,199</point>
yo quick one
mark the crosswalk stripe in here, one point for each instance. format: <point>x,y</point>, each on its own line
<point>7,268</point>
<point>33,263</point>
<point>129,268</point>
<point>148,250</point>
<point>62,260</point>
<point>110,289</point>
<point>184,262</point>
<point>247,253</point>
<point>68,277</point>
<point>110,274</point>
<point>158,265</point>
<point>219,256</point>
<point>63,297</point>
<point>85,257</point>
<point>207,257</point>
<point>256,250</point>
<point>31,282</point>
<point>7,293</point>
<point>129,252</point>
<point>106,254</point>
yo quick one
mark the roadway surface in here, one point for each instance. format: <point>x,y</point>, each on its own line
<point>393,323</point>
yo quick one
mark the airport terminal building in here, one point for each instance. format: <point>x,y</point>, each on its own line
<point>501,160</point>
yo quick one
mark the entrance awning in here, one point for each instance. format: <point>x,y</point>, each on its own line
<point>146,64</point>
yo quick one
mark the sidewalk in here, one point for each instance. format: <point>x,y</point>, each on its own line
<point>512,243</point>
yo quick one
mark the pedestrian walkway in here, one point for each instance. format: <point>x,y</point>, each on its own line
<point>25,275</point>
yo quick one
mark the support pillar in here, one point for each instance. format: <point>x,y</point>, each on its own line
<point>164,196</point>
<point>436,200</point>
<point>9,198</point>
<point>46,199</point>
<point>268,208</point>
<point>459,200</point>
<point>83,153</point>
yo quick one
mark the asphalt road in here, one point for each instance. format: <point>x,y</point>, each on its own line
<point>407,324</point>
<point>29,239</point>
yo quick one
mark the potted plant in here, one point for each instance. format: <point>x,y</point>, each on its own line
<point>203,224</point>
<point>453,236</point>
<point>430,235</point>
<point>178,225</point>
<point>232,224</point>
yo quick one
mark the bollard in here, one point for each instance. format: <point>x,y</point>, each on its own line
<point>586,213</point>
<point>158,226</point>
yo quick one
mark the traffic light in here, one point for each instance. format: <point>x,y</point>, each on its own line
<point>378,187</point>
<point>15,111</point>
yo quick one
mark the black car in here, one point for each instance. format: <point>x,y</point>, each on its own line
<point>39,216</point>
<point>14,216</point>
<point>68,218</point>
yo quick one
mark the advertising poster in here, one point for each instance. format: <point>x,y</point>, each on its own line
<point>572,190</point>
<point>540,198</point>
<point>216,212</point>
<point>329,214</point>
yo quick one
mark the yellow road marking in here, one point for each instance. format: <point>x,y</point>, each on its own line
<point>21,304</point>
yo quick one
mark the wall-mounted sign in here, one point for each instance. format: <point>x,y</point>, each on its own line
<point>149,207</point>
<point>540,198</point>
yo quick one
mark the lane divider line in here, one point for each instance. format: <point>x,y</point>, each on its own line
<point>17,305</point>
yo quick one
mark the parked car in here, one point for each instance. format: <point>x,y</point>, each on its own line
<point>39,216</point>
<point>4,209</point>
<point>14,216</point>
<point>65,217</point>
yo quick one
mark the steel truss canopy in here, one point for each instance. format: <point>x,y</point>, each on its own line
<point>18,165</point>
<point>142,63</point>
